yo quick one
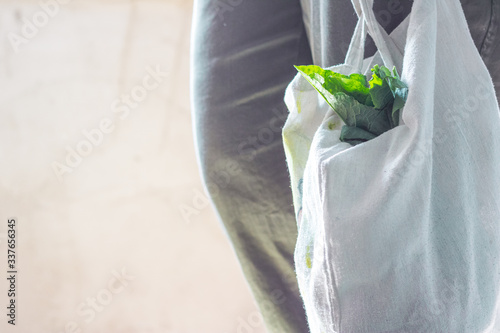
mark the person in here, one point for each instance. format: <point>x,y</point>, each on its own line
<point>242,57</point>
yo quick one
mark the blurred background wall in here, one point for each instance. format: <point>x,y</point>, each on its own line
<point>98,167</point>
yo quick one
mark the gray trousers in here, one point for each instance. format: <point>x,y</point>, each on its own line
<point>242,57</point>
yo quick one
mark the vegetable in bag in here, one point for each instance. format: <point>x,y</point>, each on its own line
<point>368,108</point>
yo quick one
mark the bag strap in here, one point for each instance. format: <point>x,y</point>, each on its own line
<point>367,23</point>
<point>355,53</point>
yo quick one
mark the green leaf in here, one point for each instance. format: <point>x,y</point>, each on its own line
<point>381,94</point>
<point>368,109</point>
<point>355,135</point>
<point>380,91</point>
<point>328,82</point>
<point>395,73</point>
<point>400,92</point>
<point>388,90</point>
<point>355,114</point>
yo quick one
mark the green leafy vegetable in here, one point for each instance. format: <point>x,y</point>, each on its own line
<point>368,108</point>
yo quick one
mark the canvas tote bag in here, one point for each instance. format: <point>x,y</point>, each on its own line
<point>401,233</point>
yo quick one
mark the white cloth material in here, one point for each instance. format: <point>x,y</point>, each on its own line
<point>401,233</point>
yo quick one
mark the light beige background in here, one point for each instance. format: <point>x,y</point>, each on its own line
<point>118,209</point>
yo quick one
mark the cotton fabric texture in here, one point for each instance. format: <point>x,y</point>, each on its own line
<point>242,57</point>
<point>402,233</point>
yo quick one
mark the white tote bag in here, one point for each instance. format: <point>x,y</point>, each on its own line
<point>401,233</point>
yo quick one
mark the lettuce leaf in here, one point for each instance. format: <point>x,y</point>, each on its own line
<point>355,114</point>
<point>355,135</point>
<point>328,82</point>
<point>368,108</point>
<point>388,92</point>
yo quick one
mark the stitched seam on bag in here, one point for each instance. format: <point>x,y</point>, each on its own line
<point>333,293</point>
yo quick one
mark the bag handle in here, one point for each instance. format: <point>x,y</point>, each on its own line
<point>367,23</point>
<point>355,53</point>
